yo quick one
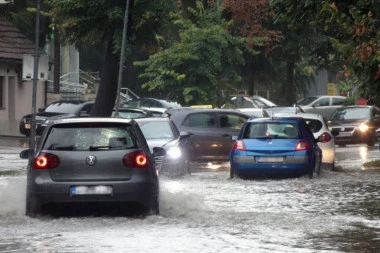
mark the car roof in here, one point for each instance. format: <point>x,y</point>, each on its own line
<point>92,119</point>
<point>302,115</point>
<point>159,119</point>
<point>283,119</point>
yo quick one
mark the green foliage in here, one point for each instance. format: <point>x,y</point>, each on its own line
<point>203,61</point>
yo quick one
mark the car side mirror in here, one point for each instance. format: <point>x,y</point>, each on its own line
<point>84,114</point>
<point>158,151</point>
<point>334,132</point>
<point>184,135</point>
<point>234,137</point>
<point>26,153</point>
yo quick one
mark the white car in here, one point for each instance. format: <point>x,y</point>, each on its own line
<point>319,127</point>
<point>324,105</point>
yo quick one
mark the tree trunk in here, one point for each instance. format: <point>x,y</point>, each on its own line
<point>106,94</point>
<point>289,87</point>
<point>56,63</point>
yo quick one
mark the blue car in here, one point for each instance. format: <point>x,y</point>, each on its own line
<point>275,147</point>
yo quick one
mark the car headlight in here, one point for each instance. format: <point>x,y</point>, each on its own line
<point>174,152</point>
<point>363,127</point>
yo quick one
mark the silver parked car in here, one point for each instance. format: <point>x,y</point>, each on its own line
<point>91,160</point>
<point>319,128</point>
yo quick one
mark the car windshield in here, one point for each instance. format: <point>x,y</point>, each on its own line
<point>79,138</point>
<point>352,114</point>
<point>278,130</point>
<point>63,107</point>
<point>307,100</point>
<point>156,130</point>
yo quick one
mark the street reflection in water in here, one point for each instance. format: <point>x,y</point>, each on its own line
<point>208,212</point>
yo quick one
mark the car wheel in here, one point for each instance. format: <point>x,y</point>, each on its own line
<point>232,173</point>
<point>154,206</point>
<point>32,209</point>
<point>312,168</point>
<point>371,142</point>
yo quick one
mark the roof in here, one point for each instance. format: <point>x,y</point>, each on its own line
<point>13,43</point>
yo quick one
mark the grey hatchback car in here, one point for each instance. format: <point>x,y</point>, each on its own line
<point>91,160</point>
<point>211,132</point>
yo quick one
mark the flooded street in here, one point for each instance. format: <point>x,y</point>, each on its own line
<point>339,211</point>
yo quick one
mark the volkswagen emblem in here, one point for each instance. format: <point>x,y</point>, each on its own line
<point>91,160</point>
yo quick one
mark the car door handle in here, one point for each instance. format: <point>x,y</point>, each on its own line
<point>226,135</point>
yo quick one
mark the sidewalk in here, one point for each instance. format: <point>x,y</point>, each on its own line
<point>11,142</point>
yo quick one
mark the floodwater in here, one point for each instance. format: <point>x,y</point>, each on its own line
<point>339,211</point>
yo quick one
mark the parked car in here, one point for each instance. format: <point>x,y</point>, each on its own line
<point>150,102</point>
<point>275,147</point>
<point>161,132</point>
<point>247,101</point>
<point>284,109</point>
<point>254,112</point>
<point>324,105</point>
<point>319,127</point>
<point>211,132</point>
<point>132,113</point>
<point>355,124</point>
<point>91,160</point>
<point>56,110</point>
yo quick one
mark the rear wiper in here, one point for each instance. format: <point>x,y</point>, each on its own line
<point>99,148</point>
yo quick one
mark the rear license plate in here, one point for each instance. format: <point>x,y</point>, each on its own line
<point>265,159</point>
<point>91,190</point>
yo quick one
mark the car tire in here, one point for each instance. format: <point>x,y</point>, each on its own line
<point>153,206</point>
<point>371,141</point>
<point>32,209</point>
<point>312,168</point>
<point>232,173</point>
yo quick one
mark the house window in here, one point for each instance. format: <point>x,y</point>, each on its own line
<point>2,92</point>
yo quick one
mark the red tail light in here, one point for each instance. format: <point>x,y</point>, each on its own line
<point>135,159</point>
<point>302,145</point>
<point>239,145</point>
<point>46,161</point>
<point>326,137</point>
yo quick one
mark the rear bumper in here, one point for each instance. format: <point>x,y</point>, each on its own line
<point>293,166</point>
<point>50,192</point>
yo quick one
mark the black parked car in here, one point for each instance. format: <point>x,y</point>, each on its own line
<point>355,124</point>
<point>211,132</point>
<point>56,110</point>
<point>161,132</point>
<point>92,162</point>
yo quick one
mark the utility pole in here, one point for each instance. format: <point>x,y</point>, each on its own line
<point>32,135</point>
<point>122,56</point>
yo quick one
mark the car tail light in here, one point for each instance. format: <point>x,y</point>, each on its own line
<point>302,145</point>
<point>326,137</point>
<point>135,159</point>
<point>239,145</point>
<point>46,161</point>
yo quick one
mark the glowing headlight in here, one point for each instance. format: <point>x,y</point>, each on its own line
<point>174,152</point>
<point>363,127</point>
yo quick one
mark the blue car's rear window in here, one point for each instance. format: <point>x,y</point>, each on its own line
<point>279,130</point>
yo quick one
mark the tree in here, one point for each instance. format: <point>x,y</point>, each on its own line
<point>203,62</point>
<point>97,22</point>
<point>354,29</point>
<point>302,39</point>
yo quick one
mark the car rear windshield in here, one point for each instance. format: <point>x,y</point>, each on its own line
<point>79,137</point>
<point>315,125</point>
<point>63,107</point>
<point>271,130</point>
<point>307,100</point>
<point>352,114</point>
